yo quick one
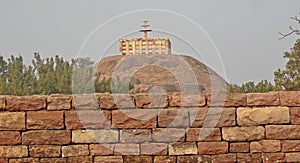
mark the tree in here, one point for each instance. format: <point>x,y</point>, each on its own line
<point>292,29</point>
<point>262,86</point>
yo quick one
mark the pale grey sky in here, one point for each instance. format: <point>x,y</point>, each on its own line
<point>245,32</point>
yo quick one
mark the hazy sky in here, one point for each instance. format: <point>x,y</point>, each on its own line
<point>236,38</point>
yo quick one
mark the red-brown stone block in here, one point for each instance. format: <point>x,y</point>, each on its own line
<point>212,147</point>
<point>46,137</point>
<point>134,118</point>
<point>265,146</point>
<point>12,121</point>
<point>127,149</point>
<point>24,160</point>
<point>81,119</point>
<point>165,159</point>
<point>143,159</point>
<point>45,120</point>
<point>173,118</point>
<point>135,135</point>
<point>273,157</point>
<point>62,102</point>
<point>53,160</point>
<point>249,157</point>
<point>243,133</point>
<point>3,160</point>
<point>80,159</point>
<point>10,138</point>
<point>101,149</point>
<point>263,99</point>
<point>295,115</point>
<point>44,151</point>
<point>183,148</point>
<point>2,102</point>
<point>154,149</point>
<point>85,102</point>
<point>239,147</point>
<point>203,134</point>
<point>283,131</point>
<point>95,136</point>
<point>292,157</point>
<point>75,150</point>
<point>187,100</point>
<point>25,103</point>
<point>290,145</point>
<point>13,151</point>
<point>114,101</point>
<point>289,98</point>
<point>151,100</point>
<point>165,135</point>
<point>108,159</point>
<point>224,158</point>
<point>229,99</point>
<point>194,159</point>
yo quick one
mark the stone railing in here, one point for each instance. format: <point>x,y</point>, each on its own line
<point>256,127</point>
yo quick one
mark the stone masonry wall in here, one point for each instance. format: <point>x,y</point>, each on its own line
<point>159,128</point>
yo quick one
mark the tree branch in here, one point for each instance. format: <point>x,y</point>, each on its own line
<point>292,30</point>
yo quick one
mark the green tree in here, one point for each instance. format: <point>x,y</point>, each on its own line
<point>262,86</point>
<point>3,75</point>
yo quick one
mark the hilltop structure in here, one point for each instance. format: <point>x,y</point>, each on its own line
<point>152,45</point>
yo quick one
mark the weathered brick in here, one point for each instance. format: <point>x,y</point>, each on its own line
<point>24,103</point>
<point>75,150</point>
<point>62,102</point>
<point>203,134</point>
<point>44,151</point>
<point>243,133</point>
<point>273,157</point>
<point>143,159</point>
<point>80,159</point>
<point>45,120</point>
<point>24,160</point>
<point>262,116</point>
<point>134,118</point>
<point>182,148</point>
<point>127,149</point>
<point>263,99</point>
<point>3,160</point>
<point>186,99</point>
<point>168,135</point>
<point>212,117</point>
<point>53,160</point>
<point>283,131</point>
<point>151,100</point>
<point>95,136</point>
<point>229,99</point>
<point>46,137</point>
<point>289,98</point>
<point>173,118</point>
<point>292,157</point>
<point>135,135</point>
<point>108,159</point>
<point>154,149</point>
<point>10,137</point>
<point>165,159</point>
<point>265,146</point>
<point>224,158</point>
<point>81,119</point>
<point>13,151</point>
<point>85,102</point>
<point>114,101</point>
<point>101,149</point>
<point>290,145</point>
<point>194,159</point>
<point>239,147</point>
<point>295,115</point>
<point>12,121</point>
<point>212,147</point>
<point>249,157</point>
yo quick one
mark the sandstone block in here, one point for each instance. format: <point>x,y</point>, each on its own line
<point>265,146</point>
<point>224,158</point>
<point>3,160</point>
<point>154,149</point>
<point>173,118</point>
<point>108,159</point>
<point>12,121</point>
<point>262,116</point>
<point>249,157</point>
<point>106,101</point>
<point>2,103</point>
<point>243,133</point>
<point>283,131</point>
<point>24,160</point>
<point>290,98</point>
<point>229,99</point>
<point>194,159</point>
<point>59,103</point>
<point>203,134</point>
<point>45,120</point>
<point>187,100</point>
<point>85,102</point>
<point>239,147</point>
<point>95,136</point>
<point>165,159</point>
<point>183,148</point>
<point>81,119</point>
<point>10,137</point>
<point>25,103</point>
<point>144,159</point>
<point>151,100</point>
<point>101,149</point>
<point>263,99</point>
<point>165,135</point>
<point>212,147</point>
<point>295,115</point>
<point>46,137</point>
<point>13,151</point>
<point>273,157</point>
<point>44,151</point>
<point>135,135</point>
<point>80,159</point>
<point>121,101</point>
<point>292,157</point>
<point>127,149</point>
<point>53,160</point>
<point>75,150</point>
<point>290,145</point>
<point>134,118</point>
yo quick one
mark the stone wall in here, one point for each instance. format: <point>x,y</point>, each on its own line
<point>256,127</point>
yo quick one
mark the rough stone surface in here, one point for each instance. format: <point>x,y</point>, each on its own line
<point>165,159</point>
<point>47,137</point>
<point>239,147</point>
<point>2,103</point>
<point>24,160</point>
<point>81,119</point>
<point>212,147</point>
<point>75,150</point>
<point>262,116</point>
<point>231,99</point>
<point>182,148</point>
<point>224,158</point>
<point>165,135</point>
<point>101,149</point>
<point>194,159</point>
<point>80,159</point>
<point>173,118</point>
<point>95,136</point>
<point>144,159</point>
<point>295,115</point>
<point>154,149</point>
<point>292,157</point>
<point>127,149</point>
<point>44,151</point>
<point>290,145</point>
<point>108,159</point>
<point>273,157</point>
<point>212,117</point>
<point>135,135</point>
<point>85,101</point>
<point>121,101</point>
<point>186,100</point>
<point>12,121</point>
<point>45,120</point>
<point>59,103</point>
<point>13,151</point>
<point>263,99</point>
<point>107,101</point>
<point>53,160</point>
<point>290,98</point>
<point>134,118</point>
<point>10,137</point>
<point>25,103</point>
<point>203,134</point>
<point>283,131</point>
<point>249,157</point>
<point>151,100</point>
<point>243,133</point>
<point>265,146</point>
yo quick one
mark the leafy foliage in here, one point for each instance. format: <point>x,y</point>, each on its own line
<point>262,86</point>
